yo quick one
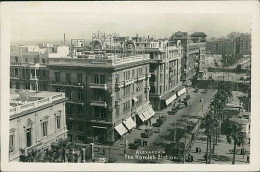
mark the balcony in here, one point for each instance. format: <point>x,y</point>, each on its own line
<point>98,103</point>
<point>98,86</point>
<point>119,85</point>
<point>147,75</point>
<point>68,84</point>
<point>117,102</point>
<point>127,82</point>
<point>34,77</point>
<point>141,77</point>
<point>76,101</point>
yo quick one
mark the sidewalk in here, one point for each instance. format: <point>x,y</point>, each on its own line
<point>221,155</point>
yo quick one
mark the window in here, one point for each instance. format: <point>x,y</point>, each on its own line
<point>58,119</point>
<point>34,60</point>
<point>68,93</point>
<point>127,90</point>
<point>11,142</point>
<point>68,79</point>
<point>133,73</point>
<point>79,78</point>
<point>81,128</point>
<point>102,79</point>
<point>69,126</point>
<point>16,71</point>
<point>81,138</point>
<point>44,128</point>
<point>26,60</point>
<point>16,59</point>
<point>57,76</point>
<point>100,112</point>
<point>69,110</point>
<point>44,73</point>
<point>96,79</point>
<point>28,137</point>
<point>17,86</point>
<point>80,109</point>
<point>43,60</point>
<point>99,95</point>
<point>80,95</point>
<point>126,106</point>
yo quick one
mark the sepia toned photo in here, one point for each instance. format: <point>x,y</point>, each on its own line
<point>130,87</point>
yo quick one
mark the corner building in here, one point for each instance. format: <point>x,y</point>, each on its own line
<point>108,96</point>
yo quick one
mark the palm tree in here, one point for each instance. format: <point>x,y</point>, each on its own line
<point>236,133</point>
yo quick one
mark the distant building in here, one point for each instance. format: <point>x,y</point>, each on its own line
<point>165,69</point>
<point>28,69</point>
<point>225,46</point>
<point>244,43</point>
<point>108,93</point>
<point>193,53</point>
<point>36,121</point>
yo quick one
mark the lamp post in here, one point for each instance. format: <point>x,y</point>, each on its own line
<point>125,136</point>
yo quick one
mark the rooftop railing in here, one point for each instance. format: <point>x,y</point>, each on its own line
<point>34,104</point>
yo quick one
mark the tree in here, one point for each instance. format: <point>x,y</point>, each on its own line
<point>235,133</point>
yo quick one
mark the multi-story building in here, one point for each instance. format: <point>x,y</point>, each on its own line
<point>244,43</point>
<point>108,95</point>
<point>165,69</point>
<point>193,53</point>
<point>28,69</point>
<point>37,119</point>
<point>225,46</point>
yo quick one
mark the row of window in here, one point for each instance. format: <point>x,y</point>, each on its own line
<point>27,72</point>
<point>35,60</point>
<point>68,77</point>
<point>28,133</point>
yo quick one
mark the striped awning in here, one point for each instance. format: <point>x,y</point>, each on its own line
<point>121,129</point>
<point>151,111</point>
<point>141,116</point>
<point>129,123</point>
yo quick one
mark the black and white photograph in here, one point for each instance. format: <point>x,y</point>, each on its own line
<point>125,82</point>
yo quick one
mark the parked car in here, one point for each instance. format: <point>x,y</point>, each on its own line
<point>187,97</point>
<point>173,112</point>
<point>136,144</point>
<point>163,117</point>
<point>242,78</point>
<point>204,91</point>
<point>156,124</point>
<point>180,105</point>
<point>147,133</point>
<point>156,130</point>
<point>196,90</point>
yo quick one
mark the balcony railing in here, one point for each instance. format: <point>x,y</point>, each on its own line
<point>119,85</point>
<point>147,75</point>
<point>98,103</point>
<point>98,86</point>
<point>68,84</point>
<point>141,77</point>
<point>127,82</point>
<point>34,77</point>
<point>75,101</point>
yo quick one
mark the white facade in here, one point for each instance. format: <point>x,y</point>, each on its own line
<point>36,124</point>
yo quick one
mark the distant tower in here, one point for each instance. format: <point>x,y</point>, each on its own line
<point>64,39</point>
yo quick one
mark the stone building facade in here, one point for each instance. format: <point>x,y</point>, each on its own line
<point>36,121</point>
<point>108,96</point>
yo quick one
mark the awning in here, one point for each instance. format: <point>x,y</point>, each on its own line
<point>129,123</point>
<point>121,129</point>
<point>146,115</point>
<point>151,111</point>
<point>141,116</point>
<point>168,98</point>
<point>99,127</point>
<point>182,91</point>
<point>135,99</point>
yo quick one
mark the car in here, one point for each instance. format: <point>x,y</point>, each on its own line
<point>136,144</point>
<point>204,91</point>
<point>163,117</point>
<point>242,78</point>
<point>187,97</point>
<point>156,124</point>
<point>171,112</point>
<point>156,130</point>
<point>196,90</point>
<point>180,105</point>
<point>147,133</point>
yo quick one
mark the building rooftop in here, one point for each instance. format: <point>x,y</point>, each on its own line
<point>105,60</point>
<point>198,34</point>
<point>25,100</point>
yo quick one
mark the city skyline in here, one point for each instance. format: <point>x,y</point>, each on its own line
<point>126,24</point>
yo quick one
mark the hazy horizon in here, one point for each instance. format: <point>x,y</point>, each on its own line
<point>50,27</point>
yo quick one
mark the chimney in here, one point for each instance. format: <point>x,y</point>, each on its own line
<point>64,39</point>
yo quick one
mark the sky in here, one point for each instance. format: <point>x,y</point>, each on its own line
<point>50,26</point>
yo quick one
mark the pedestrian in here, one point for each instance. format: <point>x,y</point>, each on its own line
<point>143,142</point>
<point>247,159</point>
<point>104,151</point>
<point>191,158</point>
<point>197,149</point>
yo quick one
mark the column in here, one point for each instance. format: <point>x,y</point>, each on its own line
<point>83,154</point>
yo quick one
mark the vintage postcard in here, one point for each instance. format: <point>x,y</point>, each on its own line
<point>158,86</point>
